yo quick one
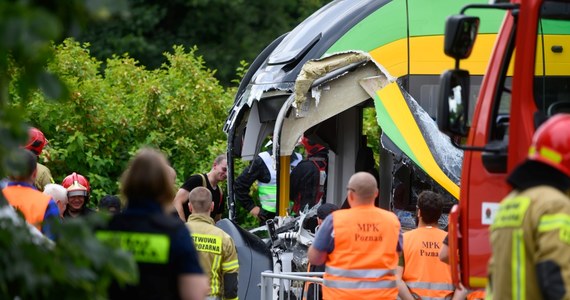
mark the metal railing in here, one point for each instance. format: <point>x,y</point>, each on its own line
<point>289,285</point>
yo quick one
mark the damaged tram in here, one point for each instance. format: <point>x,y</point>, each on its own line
<point>349,57</point>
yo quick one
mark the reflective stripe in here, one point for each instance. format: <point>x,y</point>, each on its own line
<point>230,265</point>
<point>215,280</point>
<point>553,222</point>
<point>548,154</point>
<point>343,284</point>
<point>431,286</point>
<point>511,212</point>
<point>362,273</point>
<point>518,271</point>
<point>267,196</point>
<point>145,247</point>
<point>435,298</point>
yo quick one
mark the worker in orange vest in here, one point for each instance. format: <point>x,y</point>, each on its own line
<point>421,275</point>
<point>359,246</point>
<point>38,209</point>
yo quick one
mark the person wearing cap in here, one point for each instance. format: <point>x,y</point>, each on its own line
<point>530,234</point>
<point>59,194</point>
<point>77,196</point>
<point>110,204</point>
<point>36,143</point>
<point>308,178</point>
<point>312,290</point>
<point>263,170</point>
<point>39,209</point>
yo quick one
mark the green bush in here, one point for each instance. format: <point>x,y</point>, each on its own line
<point>179,108</point>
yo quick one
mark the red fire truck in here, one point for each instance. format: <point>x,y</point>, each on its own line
<point>527,81</point>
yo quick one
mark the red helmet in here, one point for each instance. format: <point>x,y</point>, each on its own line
<point>311,145</point>
<point>551,143</point>
<point>36,140</point>
<point>76,185</point>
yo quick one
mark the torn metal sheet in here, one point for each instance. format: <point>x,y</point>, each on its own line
<point>255,91</point>
<point>339,94</point>
<point>317,69</point>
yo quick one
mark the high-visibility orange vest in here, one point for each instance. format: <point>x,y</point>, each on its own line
<point>30,202</point>
<point>476,295</point>
<point>364,260</point>
<point>424,273</point>
<point>316,292</point>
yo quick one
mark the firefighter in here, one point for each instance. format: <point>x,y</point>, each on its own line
<point>36,143</point>
<point>420,272</point>
<point>530,234</point>
<point>262,169</point>
<point>77,196</point>
<point>216,249</point>
<point>308,178</point>
<point>38,209</point>
<point>359,246</point>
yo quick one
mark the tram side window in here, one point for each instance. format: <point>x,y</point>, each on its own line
<point>552,64</point>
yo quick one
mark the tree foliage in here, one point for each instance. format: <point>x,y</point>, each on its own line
<point>78,266</point>
<point>225,31</point>
<point>179,108</point>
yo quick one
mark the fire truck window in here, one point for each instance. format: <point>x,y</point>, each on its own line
<point>552,64</point>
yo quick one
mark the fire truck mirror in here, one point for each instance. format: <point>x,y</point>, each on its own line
<point>460,34</point>
<point>454,105</point>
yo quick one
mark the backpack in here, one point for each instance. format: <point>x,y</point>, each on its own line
<point>204,184</point>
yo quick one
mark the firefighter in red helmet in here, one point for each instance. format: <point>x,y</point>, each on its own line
<point>308,178</point>
<point>36,143</point>
<point>77,194</point>
<point>530,235</point>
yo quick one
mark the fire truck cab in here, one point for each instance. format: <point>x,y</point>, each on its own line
<point>527,80</point>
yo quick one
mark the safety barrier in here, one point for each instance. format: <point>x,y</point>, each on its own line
<point>288,285</point>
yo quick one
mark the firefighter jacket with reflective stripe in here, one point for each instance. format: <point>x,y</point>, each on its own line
<point>424,273</point>
<point>363,262</point>
<point>32,203</point>
<point>268,191</point>
<point>530,240</point>
<point>218,255</point>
